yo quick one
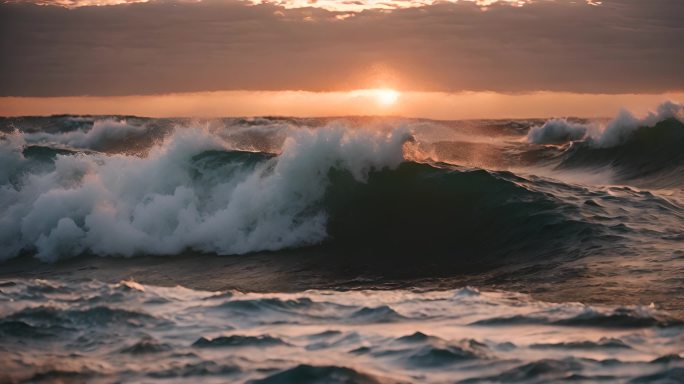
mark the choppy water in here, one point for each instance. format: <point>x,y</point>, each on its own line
<point>128,332</point>
<point>569,210</point>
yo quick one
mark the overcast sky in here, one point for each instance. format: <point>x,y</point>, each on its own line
<point>619,46</point>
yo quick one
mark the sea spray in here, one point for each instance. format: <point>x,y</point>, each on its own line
<point>162,203</point>
<point>615,132</point>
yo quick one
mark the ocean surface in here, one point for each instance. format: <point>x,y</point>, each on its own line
<point>342,250</point>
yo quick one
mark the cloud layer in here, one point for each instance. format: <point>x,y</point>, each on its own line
<point>331,5</point>
<point>622,46</point>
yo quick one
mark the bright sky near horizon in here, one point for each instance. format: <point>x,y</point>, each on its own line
<point>437,59</point>
<point>433,105</point>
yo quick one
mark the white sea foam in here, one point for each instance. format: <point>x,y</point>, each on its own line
<point>615,132</point>
<point>557,131</point>
<point>102,133</point>
<point>156,204</point>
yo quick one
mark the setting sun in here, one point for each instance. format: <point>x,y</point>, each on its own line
<point>386,97</point>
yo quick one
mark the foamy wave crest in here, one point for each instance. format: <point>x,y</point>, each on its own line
<point>620,128</point>
<point>172,200</point>
<point>557,131</point>
<point>102,134</point>
<point>615,132</point>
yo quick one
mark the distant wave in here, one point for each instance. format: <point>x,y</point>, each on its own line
<point>648,151</point>
<point>616,132</point>
<point>654,154</point>
<point>557,131</point>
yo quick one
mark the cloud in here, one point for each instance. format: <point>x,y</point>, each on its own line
<point>330,5</point>
<point>622,46</point>
<point>76,3</point>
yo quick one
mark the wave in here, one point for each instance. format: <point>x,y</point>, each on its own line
<point>238,341</point>
<point>621,317</point>
<point>539,371</point>
<point>199,370</point>
<point>381,314</point>
<point>187,193</point>
<point>351,338</point>
<point>146,345</point>
<point>49,317</point>
<point>59,375</point>
<point>330,185</point>
<point>439,211</point>
<point>650,154</point>
<point>125,186</point>
<point>646,151</point>
<point>305,373</point>
<point>557,131</point>
<point>615,132</point>
<point>602,343</point>
<point>22,329</point>
<point>431,356</point>
<point>107,135</point>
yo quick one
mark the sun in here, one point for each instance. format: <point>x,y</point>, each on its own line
<point>386,97</point>
<point>382,97</point>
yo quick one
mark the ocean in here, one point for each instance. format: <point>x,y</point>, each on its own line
<point>342,250</point>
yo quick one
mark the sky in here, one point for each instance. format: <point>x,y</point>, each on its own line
<point>444,59</point>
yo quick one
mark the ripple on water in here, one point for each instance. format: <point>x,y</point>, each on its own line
<point>305,373</point>
<point>67,333</point>
<point>238,341</point>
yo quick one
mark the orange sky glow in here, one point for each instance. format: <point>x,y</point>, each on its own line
<point>435,105</point>
<point>439,59</point>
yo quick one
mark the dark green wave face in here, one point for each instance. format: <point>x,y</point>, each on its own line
<point>45,154</point>
<point>217,166</point>
<point>459,216</point>
<point>651,156</point>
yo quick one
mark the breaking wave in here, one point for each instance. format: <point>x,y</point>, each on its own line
<point>130,186</point>
<point>194,192</point>
<point>191,191</point>
<point>646,151</point>
<point>650,155</point>
<point>616,132</point>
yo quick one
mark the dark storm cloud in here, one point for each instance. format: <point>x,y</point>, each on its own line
<point>160,47</point>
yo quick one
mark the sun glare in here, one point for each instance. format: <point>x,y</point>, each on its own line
<point>386,97</point>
